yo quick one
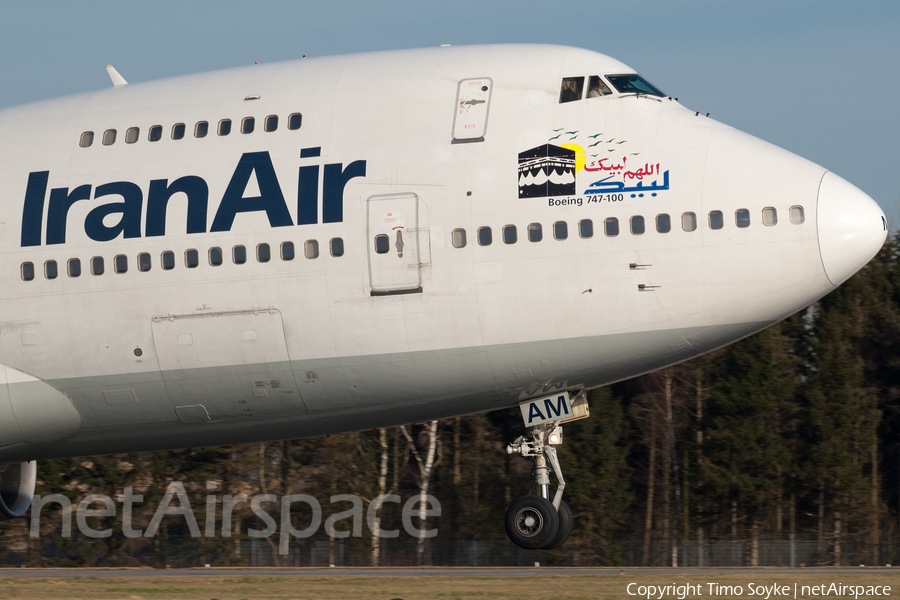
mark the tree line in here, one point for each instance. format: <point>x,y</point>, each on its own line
<point>791,431</point>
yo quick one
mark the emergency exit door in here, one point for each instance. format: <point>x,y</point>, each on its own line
<point>393,242</point>
<point>473,101</point>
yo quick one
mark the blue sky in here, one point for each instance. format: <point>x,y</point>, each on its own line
<point>820,78</point>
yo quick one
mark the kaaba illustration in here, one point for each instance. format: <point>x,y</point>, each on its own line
<point>547,170</point>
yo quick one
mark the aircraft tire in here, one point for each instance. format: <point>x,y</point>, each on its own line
<point>531,522</point>
<point>566,523</point>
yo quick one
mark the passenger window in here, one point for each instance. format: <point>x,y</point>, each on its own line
<point>742,217</point>
<point>294,121</point>
<point>560,230</point>
<point>177,131</point>
<point>382,244</point>
<point>611,227</point>
<point>97,267</point>
<point>239,255</point>
<point>27,271</point>
<point>535,232</point>
<point>155,133</point>
<point>458,237</point>
<point>287,251</point>
<point>109,137</point>
<point>201,129</point>
<point>663,223</point>
<point>571,90</point>
<point>120,263</point>
<point>637,225</point>
<point>132,135</point>
<point>597,88</point>
<point>74,267</point>
<point>510,235</point>
<point>485,237</point>
<point>224,127</point>
<point>271,123</point>
<point>796,215</point>
<point>311,249</point>
<point>263,253</point>
<point>168,260</point>
<point>87,138</point>
<point>716,221</point>
<point>215,256</point>
<point>51,271</point>
<point>689,221</point>
<point>586,228</point>
<point>770,216</point>
<point>143,262</point>
<point>191,259</point>
<point>337,247</point>
<point>248,124</point>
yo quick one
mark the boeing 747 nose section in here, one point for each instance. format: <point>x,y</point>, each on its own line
<point>852,228</point>
<point>35,417</point>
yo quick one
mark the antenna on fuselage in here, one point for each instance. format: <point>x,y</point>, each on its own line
<point>114,75</point>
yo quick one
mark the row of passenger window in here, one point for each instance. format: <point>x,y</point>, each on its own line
<point>637,226</point>
<point>201,130</point>
<point>215,255</point>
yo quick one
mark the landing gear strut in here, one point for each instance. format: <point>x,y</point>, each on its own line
<point>534,521</point>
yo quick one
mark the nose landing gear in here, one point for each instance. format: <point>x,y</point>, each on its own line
<point>534,521</point>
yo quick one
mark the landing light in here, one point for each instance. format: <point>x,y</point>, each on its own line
<point>555,438</point>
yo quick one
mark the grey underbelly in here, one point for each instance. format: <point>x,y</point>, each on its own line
<point>288,400</point>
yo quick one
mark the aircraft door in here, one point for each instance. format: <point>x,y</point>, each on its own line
<point>473,99</point>
<point>393,242</point>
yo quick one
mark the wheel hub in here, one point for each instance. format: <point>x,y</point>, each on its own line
<point>529,522</point>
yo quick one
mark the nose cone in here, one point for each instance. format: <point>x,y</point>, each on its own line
<point>852,228</point>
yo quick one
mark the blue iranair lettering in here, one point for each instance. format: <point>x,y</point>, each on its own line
<point>270,198</point>
<point>33,210</point>
<point>130,206</point>
<point>61,200</point>
<point>130,209</point>
<point>333,192</point>
<point>161,190</point>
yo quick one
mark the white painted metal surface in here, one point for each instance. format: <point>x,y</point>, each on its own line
<point>492,325</point>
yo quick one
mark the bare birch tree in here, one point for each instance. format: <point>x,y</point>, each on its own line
<point>426,470</point>
<point>382,485</point>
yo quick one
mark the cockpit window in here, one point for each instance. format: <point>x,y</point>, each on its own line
<point>597,87</point>
<point>572,89</point>
<point>633,84</point>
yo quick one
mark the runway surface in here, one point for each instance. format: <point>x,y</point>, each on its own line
<point>422,572</point>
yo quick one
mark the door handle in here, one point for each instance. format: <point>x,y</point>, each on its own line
<point>399,243</point>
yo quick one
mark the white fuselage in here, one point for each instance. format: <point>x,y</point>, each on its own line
<point>415,146</point>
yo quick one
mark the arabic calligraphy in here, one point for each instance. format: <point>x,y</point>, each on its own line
<point>604,186</point>
<point>599,165</point>
<point>644,171</point>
